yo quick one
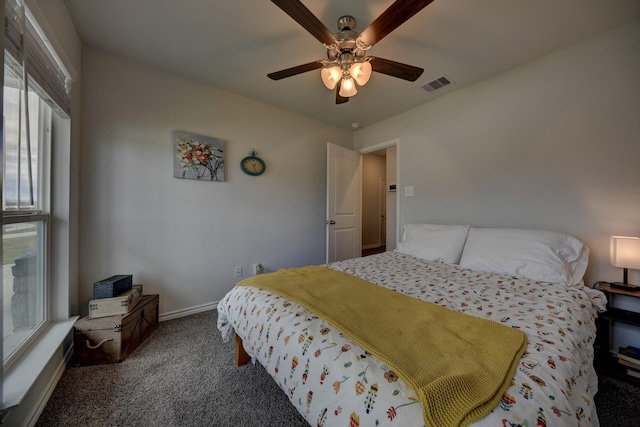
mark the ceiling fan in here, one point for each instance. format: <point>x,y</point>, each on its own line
<point>347,63</point>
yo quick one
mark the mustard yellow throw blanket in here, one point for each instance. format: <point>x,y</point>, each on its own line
<point>458,365</point>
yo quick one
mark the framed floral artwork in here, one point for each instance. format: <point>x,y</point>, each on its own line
<point>197,157</point>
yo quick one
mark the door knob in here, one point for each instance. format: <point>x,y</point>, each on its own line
<point>331,222</point>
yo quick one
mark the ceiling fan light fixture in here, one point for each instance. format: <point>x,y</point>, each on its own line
<point>361,72</point>
<point>331,76</point>
<point>347,63</point>
<point>348,87</point>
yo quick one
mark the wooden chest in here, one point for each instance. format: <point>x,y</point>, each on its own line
<point>111,339</point>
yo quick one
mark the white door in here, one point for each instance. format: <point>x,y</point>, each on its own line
<point>343,204</point>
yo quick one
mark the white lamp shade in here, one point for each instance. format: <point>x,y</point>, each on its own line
<point>330,76</point>
<point>625,252</point>
<point>361,72</point>
<point>348,87</point>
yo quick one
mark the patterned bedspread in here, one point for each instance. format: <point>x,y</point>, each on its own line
<point>333,382</point>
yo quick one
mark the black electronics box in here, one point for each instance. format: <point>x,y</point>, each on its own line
<point>113,286</point>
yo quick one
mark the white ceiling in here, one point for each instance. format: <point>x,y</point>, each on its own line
<point>234,44</point>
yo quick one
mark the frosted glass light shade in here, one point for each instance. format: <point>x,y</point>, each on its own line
<point>361,72</point>
<point>330,76</point>
<point>625,252</point>
<point>348,87</point>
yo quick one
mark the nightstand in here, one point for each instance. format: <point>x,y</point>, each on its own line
<point>603,359</point>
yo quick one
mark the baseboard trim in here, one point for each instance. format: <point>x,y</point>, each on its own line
<point>48,391</point>
<point>188,311</point>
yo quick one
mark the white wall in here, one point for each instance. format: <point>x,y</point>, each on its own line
<point>553,144</point>
<point>182,238</point>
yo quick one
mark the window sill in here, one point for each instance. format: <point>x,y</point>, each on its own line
<point>24,373</point>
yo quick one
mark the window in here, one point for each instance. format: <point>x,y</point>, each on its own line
<point>35,98</point>
<point>25,213</point>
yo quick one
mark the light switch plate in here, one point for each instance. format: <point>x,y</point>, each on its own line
<point>408,191</point>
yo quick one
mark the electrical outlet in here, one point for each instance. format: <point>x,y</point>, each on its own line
<point>258,269</point>
<point>238,271</point>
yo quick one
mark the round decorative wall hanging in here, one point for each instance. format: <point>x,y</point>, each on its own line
<point>252,164</point>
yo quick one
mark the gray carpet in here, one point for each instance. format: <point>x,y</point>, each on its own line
<point>183,375</point>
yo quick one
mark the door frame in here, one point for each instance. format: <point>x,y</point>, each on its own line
<point>387,144</point>
<point>382,207</point>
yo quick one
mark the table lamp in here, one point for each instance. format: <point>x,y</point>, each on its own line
<point>625,253</point>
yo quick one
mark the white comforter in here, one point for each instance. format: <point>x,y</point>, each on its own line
<point>334,382</point>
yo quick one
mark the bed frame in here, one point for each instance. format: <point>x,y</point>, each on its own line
<point>242,358</point>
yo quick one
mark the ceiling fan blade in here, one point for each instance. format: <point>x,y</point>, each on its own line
<point>304,17</point>
<point>339,98</point>
<point>398,13</point>
<point>295,70</point>
<point>396,69</point>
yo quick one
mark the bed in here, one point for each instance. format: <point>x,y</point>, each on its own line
<point>527,280</point>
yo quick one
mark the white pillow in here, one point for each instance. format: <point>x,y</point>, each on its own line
<point>432,242</point>
<point>545,256</point>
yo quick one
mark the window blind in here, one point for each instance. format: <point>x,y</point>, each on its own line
<point>47,75</point>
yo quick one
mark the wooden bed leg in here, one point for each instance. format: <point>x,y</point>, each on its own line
<point>242,358</point>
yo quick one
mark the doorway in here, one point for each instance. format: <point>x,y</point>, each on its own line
<point>344,220</point>
<point>379,200</point>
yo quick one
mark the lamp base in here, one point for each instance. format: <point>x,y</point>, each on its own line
<point>625,286</point>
